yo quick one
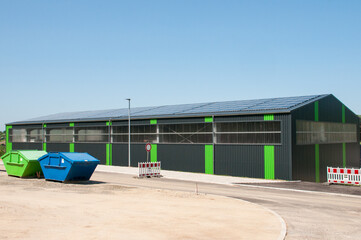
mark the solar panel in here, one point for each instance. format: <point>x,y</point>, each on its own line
<point>240,106</point>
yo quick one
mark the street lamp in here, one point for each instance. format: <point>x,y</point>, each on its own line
<point>128,99</point>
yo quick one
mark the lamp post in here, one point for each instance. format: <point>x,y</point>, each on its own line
<point>128,99</point>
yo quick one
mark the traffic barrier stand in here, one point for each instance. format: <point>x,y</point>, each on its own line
<point>149,169</point>
<point>344,175</point>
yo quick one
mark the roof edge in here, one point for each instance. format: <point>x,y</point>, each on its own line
<point>148,117</point>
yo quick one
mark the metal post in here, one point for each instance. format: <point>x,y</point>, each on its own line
<point>128,99</point>
<point>43,133</point>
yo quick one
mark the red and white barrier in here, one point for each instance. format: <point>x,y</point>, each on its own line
<point>344,175</point>
<point>149,169</point>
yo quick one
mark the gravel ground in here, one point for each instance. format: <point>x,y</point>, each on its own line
<point>39,209</point>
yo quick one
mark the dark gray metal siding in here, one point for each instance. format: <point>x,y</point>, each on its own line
<point>330,156</point>
<point>352,159</point>
<point>57,125</point>
<point>239,160</point>
<point>89,124</point>
<point>27,126</point>
<point>283,153</point>
<point>182,157</point>
<point>132,122</point>
<point>303,163</point>
<point>303,156</point>
<point>239,118</point>
<point>248,160</point>
<point>57,147</point>
<point>236,160</point>
<point>120,154</point>
<point>27,146</point>
<point>137,154</point>
<point>180,120</point>
<point>329,110</point>
<point>97,150</point>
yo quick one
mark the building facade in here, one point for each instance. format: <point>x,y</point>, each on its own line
<point>293,138</point>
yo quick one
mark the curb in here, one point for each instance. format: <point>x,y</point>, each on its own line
<point>283,231</point>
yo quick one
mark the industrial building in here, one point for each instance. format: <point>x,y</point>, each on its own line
<point>291,138</point>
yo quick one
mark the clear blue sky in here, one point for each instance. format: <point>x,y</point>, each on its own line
<point>62,56</point>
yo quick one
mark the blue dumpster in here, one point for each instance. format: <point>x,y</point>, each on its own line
<point>66,166</point>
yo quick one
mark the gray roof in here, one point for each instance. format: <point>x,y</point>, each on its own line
<point>239,107</point>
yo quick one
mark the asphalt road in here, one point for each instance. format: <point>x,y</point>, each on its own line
<point>308,214</point>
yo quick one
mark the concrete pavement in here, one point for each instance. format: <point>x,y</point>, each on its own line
<point>187,176</point>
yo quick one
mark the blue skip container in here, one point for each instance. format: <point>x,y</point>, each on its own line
<point>66,166</point>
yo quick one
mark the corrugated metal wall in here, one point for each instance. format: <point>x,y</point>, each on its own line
<point>57,147</point>
<point>330,155</point>
<point>283,153</point>
<point>180,120</point>
<point>303,156</point>
<point>120,154</point>
<point>248,160</point>
<point>182,157</point>
<point>353,160</point>
<point>137,154</point>
<point>236,160</point>
<point>27,146</point>
<point>97,150</point>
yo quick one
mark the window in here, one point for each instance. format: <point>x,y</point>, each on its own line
<point>91,134</point>
<point>61,135</point>
<point>17,135</point>
<point>310,132</point>
<point>138,133</point>
<point>35,135</point>
<point>262,132</point>
<point>186,133</point>
<point>26,135</point>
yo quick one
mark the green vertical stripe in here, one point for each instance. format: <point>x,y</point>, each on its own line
<point>71,147</point>
<point>269,155</point>
<point>9,145</point>
<point>317,162</point>
<point>208,157</point>
<point>44,143</point>
<point>268,117</point>
<point>109,153</point>
<point>108,123</point>
<point>269,162</point>
<point>316,111</point>
<point>154,153</point>
<point>208,119</point>
<point>153,121</point>
<point>343,114</point>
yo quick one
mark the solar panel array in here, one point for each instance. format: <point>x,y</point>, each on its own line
<point>214,108</point>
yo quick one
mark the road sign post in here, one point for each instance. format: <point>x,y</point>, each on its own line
<point>148,147</point>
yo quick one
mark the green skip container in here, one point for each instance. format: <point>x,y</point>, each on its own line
<point>22,163</point>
